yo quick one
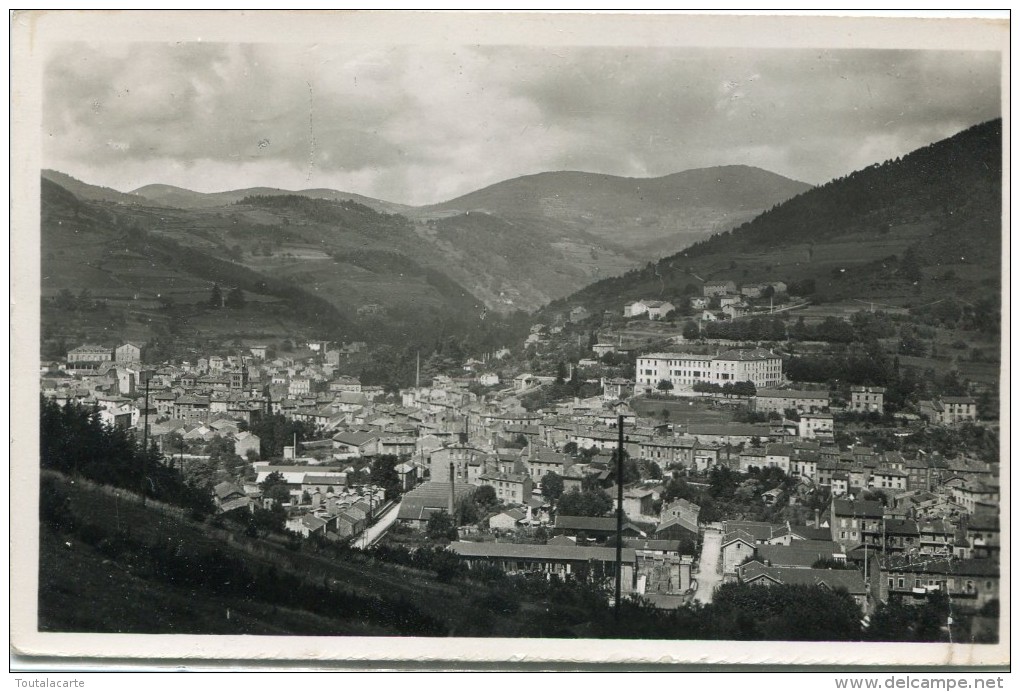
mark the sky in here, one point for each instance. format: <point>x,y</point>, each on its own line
<point>420,124</point>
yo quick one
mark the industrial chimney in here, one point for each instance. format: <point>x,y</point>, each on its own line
<point>453,486</point>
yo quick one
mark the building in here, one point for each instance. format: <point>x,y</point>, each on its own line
<point>245,442</point>
<point>511,488</point>
<point>466,460</point>
<point>615,388</point>
<point>508,520</point>
<point>89,354</point>
<point>545,461</point>
<point>949,410</point>
<point>683,370</point>
<point>416,506</point>
<point>567,561</point>
<point>128,353</point>
<point>957,409</point>
<point>718,288</point>
<point>780,400</point>
<point>594,528</point>
<point>854,523</point>
<point>815,425</point>
<point>867,399</point>
<point>969,583</point>
<point>849,580</point>
<point>578,314</point>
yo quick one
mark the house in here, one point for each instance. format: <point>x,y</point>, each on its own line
<point>679,521</point>
<point>408,475</point>
<point>512,488</point>
<point>525,381</point>
<point>544,461</point>
<point>669,451</point>
<point>867,399</point>
<point>889,479</point>
<point>970,583</point>
<point>699,302</point>
<point>856,522</point>
<point>465,459</point>
<point>128,353</point>
<point>658,309</point>
<point>718,288</point>
<point>345,384</point>
<point>416,506</point>
<point>488,379</point>
<point>949,410</point>
<point>901,535</point>
<point>799,553</point>
<point>245,442</point>
<point>615,388</point>
<point>780,400</point>
<point>815,425</point>
<point>306,525</point>
<point>602,349</point>
<point>982,535</point>
<point>578,314</point>
<point>637,502</point>
<point>352,445</point>
<point>737,546</point>
<point>508,520</point>
<point>597,528</point>
<point>228,497</point>
<point>753,290</point>
<point>849,580</point>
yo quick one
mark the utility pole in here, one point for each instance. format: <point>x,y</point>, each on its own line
<point>619,513</point>
<point>145,439</point>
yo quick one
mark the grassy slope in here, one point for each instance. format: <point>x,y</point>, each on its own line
<point>122,601</point>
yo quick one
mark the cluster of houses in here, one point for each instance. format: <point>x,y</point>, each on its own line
<point>720,300</point>
<point>938,528</point>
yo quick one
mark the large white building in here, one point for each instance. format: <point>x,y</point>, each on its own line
<point>683,370</point>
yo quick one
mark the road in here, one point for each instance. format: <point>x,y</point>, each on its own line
<point>374,533</point>
<point>709,569</point>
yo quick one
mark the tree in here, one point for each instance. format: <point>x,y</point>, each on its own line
<point>561,372</point>
<point>383,473</point>
<point>691,331</point>
<point>216,297</point>
<point>275,487</point>
<point>570,448</point>
<point>664,386</point>
<point>440,527</point>
<point>485,496</point>
<point>585,503</point>
<point>235,299</point>
<point>552,486</point>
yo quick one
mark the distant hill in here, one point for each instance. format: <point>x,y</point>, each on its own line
<point>648,217</point>
<point>940,204</point>
<point>189,199</point>
<point>95,193</point>
<point>511,246</point>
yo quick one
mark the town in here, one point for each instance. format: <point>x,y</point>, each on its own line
<point>733,469</point>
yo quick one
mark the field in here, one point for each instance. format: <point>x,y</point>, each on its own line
<point>681,411</point>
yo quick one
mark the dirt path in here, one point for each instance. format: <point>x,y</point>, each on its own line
<point>709,572</point>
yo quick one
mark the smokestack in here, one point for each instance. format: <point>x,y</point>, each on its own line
<point>452,488</point>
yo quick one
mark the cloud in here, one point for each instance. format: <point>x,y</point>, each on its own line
<point>416,124</point>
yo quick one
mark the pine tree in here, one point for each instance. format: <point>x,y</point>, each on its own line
<point>216,297</point>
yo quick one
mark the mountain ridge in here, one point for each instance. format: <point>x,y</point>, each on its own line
<point>939,204</point>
